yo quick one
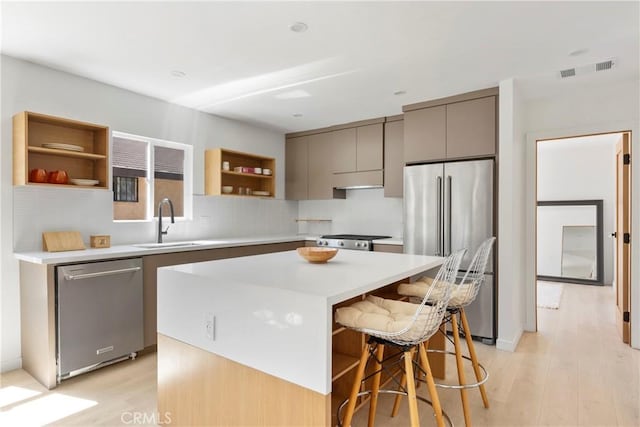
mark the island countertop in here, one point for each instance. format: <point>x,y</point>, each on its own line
<point>273,312</point>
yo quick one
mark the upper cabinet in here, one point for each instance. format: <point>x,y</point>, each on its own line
<point>369,147</point>
<point>321,163</point>
<point>321,157</point>
<point>357,149</point>
<point>296,168</point>
<point>459,127</point>
<point>471,128</point>
<point>425,133</point>
<point>247,174</point>
<point>50,143</point>
<point>344,150</point>
<point>393,158</point>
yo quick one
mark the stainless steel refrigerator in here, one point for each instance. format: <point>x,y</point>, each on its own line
<point>449,206</point>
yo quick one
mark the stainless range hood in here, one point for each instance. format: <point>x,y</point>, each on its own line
<point>357,180</point>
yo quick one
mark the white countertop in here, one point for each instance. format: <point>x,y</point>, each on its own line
<point>123,251</point>
<point>273,312</point>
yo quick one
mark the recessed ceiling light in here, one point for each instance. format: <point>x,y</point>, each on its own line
<point>297,115</point>
<point>298,27</point>
<point>293,94</point>
<point>400,92</point>
<point>177,73</point>
<point>578,52</point>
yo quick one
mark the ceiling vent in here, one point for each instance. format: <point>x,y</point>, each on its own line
<point>606,65</point>
<point>588,69</point>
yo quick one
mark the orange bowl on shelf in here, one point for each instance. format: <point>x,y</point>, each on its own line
<point>317,255</point>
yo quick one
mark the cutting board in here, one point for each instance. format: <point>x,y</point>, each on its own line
<point>58,241</point>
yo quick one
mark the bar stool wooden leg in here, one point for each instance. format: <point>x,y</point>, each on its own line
<point>396,403</point>
<point>461,377</point>
<point>376,385</point>
<point>431,385</point>
<point>355,389</point>
<point>474,357</point>
<point>411,389</point>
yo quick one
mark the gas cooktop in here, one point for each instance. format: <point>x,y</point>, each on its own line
<point>354,237</point>
<point>360,242</point>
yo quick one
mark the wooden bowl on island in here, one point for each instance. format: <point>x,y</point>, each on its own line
<point>317,255</point>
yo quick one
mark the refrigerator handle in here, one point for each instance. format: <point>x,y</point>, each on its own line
<point>439,248</point>
<point>448,237</point>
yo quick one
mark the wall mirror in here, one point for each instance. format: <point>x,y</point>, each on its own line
<point>570,241</point>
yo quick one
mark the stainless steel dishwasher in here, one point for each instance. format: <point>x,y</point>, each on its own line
<point>99,314</point>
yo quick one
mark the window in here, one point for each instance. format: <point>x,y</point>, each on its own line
<point>125,189</point>
<point>147,169</point>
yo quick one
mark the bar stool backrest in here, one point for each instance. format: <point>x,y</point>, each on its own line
<point>427,317</point>
<point>474,276</point>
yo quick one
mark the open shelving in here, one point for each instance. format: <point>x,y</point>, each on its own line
<point>216,177</point>
<point>32,130</point>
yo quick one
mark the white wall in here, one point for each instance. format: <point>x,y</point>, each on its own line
<point>584,111</point>
<point>28,211</point>
<point>511,217</point>
<point>578,169</point>
<point>362,212</point>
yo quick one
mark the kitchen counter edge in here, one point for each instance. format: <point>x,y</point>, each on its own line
<point>125,251</point>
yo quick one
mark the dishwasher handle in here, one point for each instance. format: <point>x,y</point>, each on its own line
<point>100,273</point>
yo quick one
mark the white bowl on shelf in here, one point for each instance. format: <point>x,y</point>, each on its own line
<point>266,172</point>
<point>227,189</point>
<point>83,181</point>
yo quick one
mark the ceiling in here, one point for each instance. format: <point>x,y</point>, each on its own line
<point>242,61</point>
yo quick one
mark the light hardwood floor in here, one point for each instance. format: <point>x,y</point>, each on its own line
<point>574,372</point>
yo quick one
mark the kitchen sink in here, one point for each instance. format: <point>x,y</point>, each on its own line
<point>177,244</point>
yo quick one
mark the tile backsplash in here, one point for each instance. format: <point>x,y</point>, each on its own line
<point>38,209</point>
<point>362,212</point>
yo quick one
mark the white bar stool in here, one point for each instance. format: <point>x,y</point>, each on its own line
<point>402,325</point>
<point>462,294</point>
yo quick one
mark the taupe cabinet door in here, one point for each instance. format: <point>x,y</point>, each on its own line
<point>393,158</point>
<point>296,168</point>
<point>321,155</point>
<point>425,134</point>
<point>369,150</point>
<point>471,128</point>
<point>459,130</point>
<point>344,143</point>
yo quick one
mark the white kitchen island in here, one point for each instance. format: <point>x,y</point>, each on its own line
<point>249,341</point>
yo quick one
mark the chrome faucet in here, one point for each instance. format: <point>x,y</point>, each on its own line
<point>160,231</point>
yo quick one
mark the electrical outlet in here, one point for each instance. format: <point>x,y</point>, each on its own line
<point>210,326</point>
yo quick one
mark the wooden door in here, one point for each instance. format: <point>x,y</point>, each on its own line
<point>623,233</point>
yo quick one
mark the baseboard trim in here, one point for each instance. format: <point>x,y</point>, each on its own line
<point>509,345</point>
<point>10,365</point>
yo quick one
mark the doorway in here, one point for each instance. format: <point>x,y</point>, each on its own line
<point>577,214</point>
